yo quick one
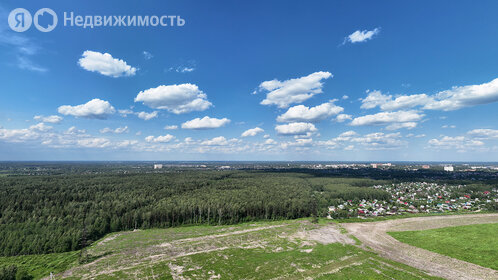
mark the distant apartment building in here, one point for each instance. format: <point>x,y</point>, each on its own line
<point>449,168</point>
<point>158,166</point>
<point>426,166</point>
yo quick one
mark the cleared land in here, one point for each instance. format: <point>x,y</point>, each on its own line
<point>472,243</point>
<point>264,250</point>
<point>374,235</point>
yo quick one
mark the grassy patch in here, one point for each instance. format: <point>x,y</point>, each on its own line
<point>40,266</point>
<point>473,243</point>
<point>407,215</point>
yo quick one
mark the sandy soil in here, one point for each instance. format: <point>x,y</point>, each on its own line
<point>373,235</point>
<point>325,235</point>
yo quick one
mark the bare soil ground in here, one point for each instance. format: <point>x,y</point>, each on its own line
<point>374,236</point>
<point>325,235</point>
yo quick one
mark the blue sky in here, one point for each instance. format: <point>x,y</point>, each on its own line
<point>254,80</point>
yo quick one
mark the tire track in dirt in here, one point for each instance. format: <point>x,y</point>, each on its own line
<point>374,235</point>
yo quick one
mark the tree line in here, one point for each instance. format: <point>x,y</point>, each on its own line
<point>50,214</point>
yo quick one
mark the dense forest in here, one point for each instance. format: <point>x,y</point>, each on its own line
<point>58,213</point>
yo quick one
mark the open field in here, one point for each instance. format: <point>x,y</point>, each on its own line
<point>262,250</point>
<point>472,243</point>
<point>374,235</point>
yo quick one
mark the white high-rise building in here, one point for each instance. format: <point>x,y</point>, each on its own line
<point>449,168</point>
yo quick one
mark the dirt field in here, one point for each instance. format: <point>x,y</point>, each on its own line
<point>373,235</point>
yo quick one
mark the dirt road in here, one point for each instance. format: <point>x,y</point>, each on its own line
<point>373,235</point>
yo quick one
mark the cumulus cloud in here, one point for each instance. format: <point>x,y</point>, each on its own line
<point>118,130</point>
<point>374,99</point>
<point>297,128</point>
<point>160,139</point>
<point>301,113</point>
<point>361,36</point>
<point>484,133</point>
<point>252,132</point>
<point>405,102</point>
<point>373,141</point>
<point>177,99</point>
<point>396,126</point>
<point>380,141</point>
<point>93,109</point>
<point>448,100</point>
<point>147,116</point>
<point>49,119</point>
<point>74,131</point>
<point>457,142</point>
<point>464,96</point>
<point>343,117</point>
<point>284,93</point>
<point>171,127</point>
<point>216,141</point>
<point>205,123</point>
<point>387,118</point>
<point>105,64</point>
<point>94,143</point>
<point>125,112</point>
<point>270,142</point>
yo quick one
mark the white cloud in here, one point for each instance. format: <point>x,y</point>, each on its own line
<point>147,55</point>
<point>185,69</point>
<point>73,131</point>
<point>171,127</point>
<point>147,116</point>
<point>125,112</point>
<point>216,141</point>
<point>205,123</point>
<point>252,132</point>
<point>297,128</point>
<point>284,93</point>
<point>18,135</point>
<point>93,109</point>
<point>448,100</point>
<point>374,99</point>
<point>344,97</point>
<point>484,133</point>
<point>177,99</point>
<point>361,35</point>
<point>301,113</point>
<point>464,96</point>
<point>93,143</point>
<point>118,130</point>
<point>105,64</point>
<point>380,141</point>
<point>457,142</point>
<point>386,118</point>
<point>41,127</point>
<point>405,102</point>
<point>343,117</point>
<point>346,136</point>
<point>125,143</point>
<point>396,126</point>
<point>270,142</point>
<point>160,139</point>
<point>49,119</point>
